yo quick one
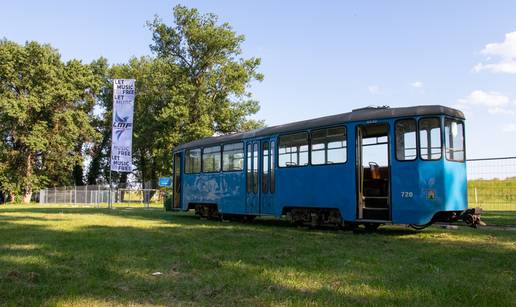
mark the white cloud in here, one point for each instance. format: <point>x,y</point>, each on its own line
<point>509,128</point>
<point>505,66</point>
<point>417,84</point>
<point>495,102</point>
<point>506,49</point>
<point>374,89</point>
<point>505,52</point>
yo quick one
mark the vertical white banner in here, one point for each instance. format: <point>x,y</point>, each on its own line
<point>122,128</point>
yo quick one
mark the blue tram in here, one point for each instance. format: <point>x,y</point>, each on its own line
<point>371,166</point>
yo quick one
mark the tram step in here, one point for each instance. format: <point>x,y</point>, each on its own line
<point>376,202</point>
<point>376,213</point>
<point>374,221</point>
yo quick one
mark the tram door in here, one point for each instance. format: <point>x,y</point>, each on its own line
<point>267,176</point>
<point>373,172</point>
<point>252,177</point>
<point>177,181</point>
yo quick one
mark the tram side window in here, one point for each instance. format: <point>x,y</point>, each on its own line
<point>233,157</point>
<point>406,148</point>
<point>293,150</point>
<point>454,139</point>
<point>329,146</point>
<point>193,161</point>
<point>265,167</point>
<point>430,138</point>
<point>255,168</point>
<point>211,159</point>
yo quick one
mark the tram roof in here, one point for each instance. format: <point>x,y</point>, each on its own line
<point>368,113</point>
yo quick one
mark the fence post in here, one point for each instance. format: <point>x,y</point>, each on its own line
<point>74,194</point>
<point>476,197</point>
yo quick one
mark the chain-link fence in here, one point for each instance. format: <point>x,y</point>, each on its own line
<point>492,183</point>
<point>98,195</point>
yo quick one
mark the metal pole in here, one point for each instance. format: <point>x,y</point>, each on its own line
<point>476,197</point>
<point>110,200</point>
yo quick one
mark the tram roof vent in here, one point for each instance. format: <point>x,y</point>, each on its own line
<point>370,108</point>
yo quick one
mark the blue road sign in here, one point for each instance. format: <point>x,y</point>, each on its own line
<point>165,181</point>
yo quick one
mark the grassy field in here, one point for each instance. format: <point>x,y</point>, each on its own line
<point>493,194</point>
<point>89,256</point>
<point>499,218</point>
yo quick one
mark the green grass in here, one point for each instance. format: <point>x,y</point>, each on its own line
<point>88,256</point>
<point>499,218</point>
<point>493,194</point>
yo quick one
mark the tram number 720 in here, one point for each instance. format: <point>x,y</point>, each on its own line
<point>407,194</point>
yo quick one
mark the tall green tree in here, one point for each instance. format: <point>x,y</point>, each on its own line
<point>45,116</point>
<point>197,85</point>
<point>205,88</point>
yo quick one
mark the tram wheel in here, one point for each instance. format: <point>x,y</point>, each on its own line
<point>370,227</point>
<point>248,218</point>
<point>349,226</point>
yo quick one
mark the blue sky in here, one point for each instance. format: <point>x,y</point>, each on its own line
<point>322,58</point>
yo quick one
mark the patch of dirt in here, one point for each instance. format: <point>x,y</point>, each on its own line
<point>31,277</point>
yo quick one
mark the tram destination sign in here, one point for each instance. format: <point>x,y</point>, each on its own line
<point>122,127</point>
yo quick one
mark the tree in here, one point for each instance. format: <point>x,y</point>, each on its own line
<point>45,108</point>
<point>196,86</point>
<point>202,88</point>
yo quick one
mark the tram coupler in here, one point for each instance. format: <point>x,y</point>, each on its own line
<point>471,217</point>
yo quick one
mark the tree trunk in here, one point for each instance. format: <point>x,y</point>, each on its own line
<point>95,168</point>
<point>27,196</point>
<point>123,185</point>
<point>77,174</point>
<point>28,174</point>
<point>11,197</point>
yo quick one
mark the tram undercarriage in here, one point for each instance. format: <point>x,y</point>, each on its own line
<point>470,216</point>
<point>330,217</point>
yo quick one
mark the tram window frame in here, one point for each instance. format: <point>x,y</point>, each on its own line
<point>266,164</point>
<point>256,161</point>
<point>217,168</point>
<point>326,149</point>
<point>248,167</point>
<point>188,167</point>
<point>297,153</point>
<point>419,152</point>
<point>416,132</point>
<point>272,172</point>
<point>232,151</point>
<point>446,139</point>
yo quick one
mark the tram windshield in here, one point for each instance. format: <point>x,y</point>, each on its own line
<point>454,139</point>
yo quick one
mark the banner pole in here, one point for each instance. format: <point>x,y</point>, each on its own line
<point>110,184</point>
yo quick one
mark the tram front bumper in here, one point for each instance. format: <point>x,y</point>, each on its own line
<point>471,217</point>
